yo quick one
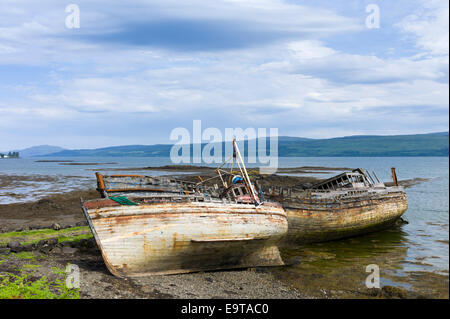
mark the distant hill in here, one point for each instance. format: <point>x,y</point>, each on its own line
<point>433,144</point>
<point>39,150</point>
<point>128,150</point>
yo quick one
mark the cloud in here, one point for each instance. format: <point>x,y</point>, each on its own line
<point>162,24</point>
<point>191,35</point>
<point>429,25</point>
<point>131,73</point>
<point>315,59</point>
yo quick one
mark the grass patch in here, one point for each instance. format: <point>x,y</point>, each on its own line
<point>58,271</point>
<point>34,236</point>
<point>30,266</point>
<point>45,231</point>
<point>24,255</point>
<point>74,239</point>
<point>24,287</point>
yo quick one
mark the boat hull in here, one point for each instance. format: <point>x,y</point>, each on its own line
<point>327,220</point>
<point>170,238</point>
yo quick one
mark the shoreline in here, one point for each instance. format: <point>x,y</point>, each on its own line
<point>307,278</point>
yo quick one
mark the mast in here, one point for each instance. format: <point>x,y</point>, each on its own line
<point>240,163</point>
<point>244,172</point>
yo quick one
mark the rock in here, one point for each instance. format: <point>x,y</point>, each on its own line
<point>66,244</point>
<point>69,250</point>
<point>46,245</point>
<point>393,292</point>
<point>373,292</point>
<point>38,227</point>
<point>401,221</point>
<point>45,249</point>
<point>4,251</point>
<point>29,247</point>
<point>15,246</point>
<point>41,244</point>
<point>52,241</point>
<point>82,223</point>
<point>56,226</point>
<point>56,250</point>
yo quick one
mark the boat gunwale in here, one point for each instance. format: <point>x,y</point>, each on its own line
<point>164,208</point>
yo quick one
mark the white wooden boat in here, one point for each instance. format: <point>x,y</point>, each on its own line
<point>164,226</point>
<point>171,237</point>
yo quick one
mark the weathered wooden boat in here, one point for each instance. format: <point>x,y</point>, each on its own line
<point>147,225</point>
<point>350,204</point>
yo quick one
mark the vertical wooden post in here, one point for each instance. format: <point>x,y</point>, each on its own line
<point>101,185</point>
<point>100,182</point>
<point>394,176</point>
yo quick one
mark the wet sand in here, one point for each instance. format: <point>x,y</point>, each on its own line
<point>64,209</point>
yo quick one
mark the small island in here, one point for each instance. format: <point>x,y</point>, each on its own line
<point>10,155</point>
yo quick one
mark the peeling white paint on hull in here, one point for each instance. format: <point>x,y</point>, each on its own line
<point>170,238</point>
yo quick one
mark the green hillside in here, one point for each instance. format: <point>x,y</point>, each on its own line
<point>398,145</point>
<point>434,144</point>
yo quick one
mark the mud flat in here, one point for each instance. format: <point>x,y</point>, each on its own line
<point>85,164</point>
<point>54,161</point>
<point>63,209</point>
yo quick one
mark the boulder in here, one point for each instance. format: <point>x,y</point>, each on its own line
<point>45,249</point>
<point>15,246</point>
<point>393,292</point>
<point>29,247</point>
<point>41,243</point>
<point>56,250</point>
<point>52,241</point>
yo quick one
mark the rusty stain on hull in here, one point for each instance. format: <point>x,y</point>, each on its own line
<point>169,238</point>
<point>313,221</point>
<point>348,204</point>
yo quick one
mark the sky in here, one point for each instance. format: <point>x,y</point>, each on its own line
<point>133,71</point>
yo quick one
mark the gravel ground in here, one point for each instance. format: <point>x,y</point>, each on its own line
<point>97,282</point>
